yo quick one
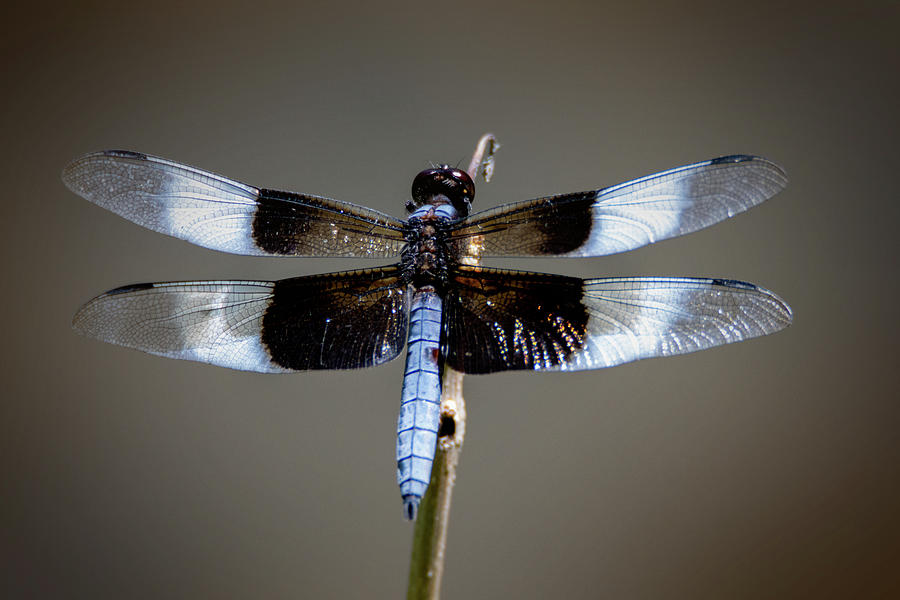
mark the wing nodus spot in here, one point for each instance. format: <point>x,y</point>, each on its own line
<point>130,288</point>
<point>126,154</point>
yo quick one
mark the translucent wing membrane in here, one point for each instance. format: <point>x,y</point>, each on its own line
<point>625,216</point>
<point>334,321</point>
<point>215,212</point>
<point>508,320</point>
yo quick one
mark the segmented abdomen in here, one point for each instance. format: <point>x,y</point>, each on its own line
<point>421,400</point>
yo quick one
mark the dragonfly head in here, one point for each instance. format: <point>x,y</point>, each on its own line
<point>443,184</point>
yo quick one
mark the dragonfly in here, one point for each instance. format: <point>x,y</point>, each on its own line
<point>436,300</point>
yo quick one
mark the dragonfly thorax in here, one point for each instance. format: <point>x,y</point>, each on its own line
<point>426,258</point>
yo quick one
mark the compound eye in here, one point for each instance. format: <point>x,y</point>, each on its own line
<point>466,185</point>
<point>422,184</point>
<point>453,184</point>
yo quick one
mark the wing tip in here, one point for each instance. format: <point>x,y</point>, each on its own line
<point>71,172</point>
<point>785,315</point>
<point>779,176</point>
<point>82,321</point>
<point>82,324</point>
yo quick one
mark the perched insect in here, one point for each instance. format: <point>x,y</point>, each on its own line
<point>448,313</point>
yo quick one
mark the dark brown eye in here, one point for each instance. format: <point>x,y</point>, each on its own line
<point>453,184</point>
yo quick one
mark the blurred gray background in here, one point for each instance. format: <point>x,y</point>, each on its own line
<point>764,469</point>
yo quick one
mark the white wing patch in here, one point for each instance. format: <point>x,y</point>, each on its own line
<point>645,317</point>
<point>217,322</point>
<point>678,201</point>
<point>194,205</point>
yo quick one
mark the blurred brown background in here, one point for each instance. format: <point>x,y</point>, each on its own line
<point>764,469</point>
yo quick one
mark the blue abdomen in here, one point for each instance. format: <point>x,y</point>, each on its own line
<point>420,408</point>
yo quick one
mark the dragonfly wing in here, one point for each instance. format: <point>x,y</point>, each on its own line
<point>509,320</point>
<point>625,216</point>
<point>333,321</point>
<point>218,213</point>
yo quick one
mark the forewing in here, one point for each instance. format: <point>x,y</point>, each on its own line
<point>625,216</point>
<point>218,213</point>
<point>507,320</point>
<point>333,321</point>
